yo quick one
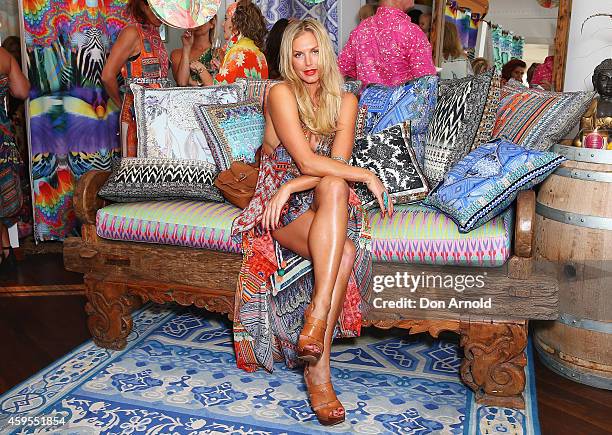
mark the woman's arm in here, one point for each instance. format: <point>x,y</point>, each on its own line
<point>180,60</point>
<point>342,147</point>
<point>285,118</point>
<point>19,86</point>
<point>125,46</point>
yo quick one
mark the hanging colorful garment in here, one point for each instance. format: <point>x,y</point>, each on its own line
<point>73,124</point>
<point>10,164</point>
<point>242,59</point>
<point>275,285</point>
<point>149,68</point>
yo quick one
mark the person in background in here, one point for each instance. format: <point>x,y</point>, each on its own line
<point>366,55</point>
<point>530,72</point>
<point>542,76</point>
<point>245,30</point>
<point>367,11</point>
<point>514,69</point>
<point>273,44</point>
<point>456,64</point>
<point>196,54</point>
<point>141,57</point>
<point>425,23</point>
<point>304,203</point>
<point>14,82</point>
<point>480,65</point>
<point>414,15</point>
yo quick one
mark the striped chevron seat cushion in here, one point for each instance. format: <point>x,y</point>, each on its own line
<point>196,224</point>
<point>415,234</point>
<point>419,235</point>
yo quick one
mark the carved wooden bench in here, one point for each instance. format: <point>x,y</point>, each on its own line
<point>120,276</point>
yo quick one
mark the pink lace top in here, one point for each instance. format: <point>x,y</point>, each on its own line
<point>387,49</point>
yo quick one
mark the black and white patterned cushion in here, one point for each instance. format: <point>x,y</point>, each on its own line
<point>140,179</point>
<point>455,124</point>
<point>389,155</point>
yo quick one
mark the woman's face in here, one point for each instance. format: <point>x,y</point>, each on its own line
<point>228,28</point>
<point>518,73</point>
<point>425,23</point>
<point>151,17</point>
<point>204,29</point>
<point>305,58</point>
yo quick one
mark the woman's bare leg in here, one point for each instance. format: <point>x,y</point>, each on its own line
<point>320,235</point>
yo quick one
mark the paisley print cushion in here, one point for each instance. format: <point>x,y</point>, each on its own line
<point>389,154</point>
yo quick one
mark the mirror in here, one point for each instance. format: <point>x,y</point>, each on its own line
<point>185,14</point>
<point>543,27</point>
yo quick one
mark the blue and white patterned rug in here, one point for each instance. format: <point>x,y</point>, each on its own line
<point>178,376</point>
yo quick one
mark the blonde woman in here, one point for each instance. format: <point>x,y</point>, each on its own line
<point>304,211</point>
<point>456,64</point>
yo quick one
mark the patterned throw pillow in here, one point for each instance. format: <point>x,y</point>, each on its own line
<point>166,123</point>
<point>389,154</point>
<point>234,131</point>
<point>391,105</point>
<point>456,123</point>
<point>486,181</point>
<point>538,119</point>
<point>138,179</point>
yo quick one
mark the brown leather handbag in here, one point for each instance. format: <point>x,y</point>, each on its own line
<point>237,184</point>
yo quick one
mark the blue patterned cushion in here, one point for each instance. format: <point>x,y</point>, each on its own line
<point>486,182</point>
<point>234,131</point>
<point>391,105</point>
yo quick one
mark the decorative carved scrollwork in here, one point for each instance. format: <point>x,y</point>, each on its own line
<point>109,308</point>
<point>494,363</point>
<point>434,327</point>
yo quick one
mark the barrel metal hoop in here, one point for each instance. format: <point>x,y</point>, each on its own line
<point>584,378</point>
<point>591,325</point>
<point>581,220</point>
<point>587,155</point>
<point>581,174</point>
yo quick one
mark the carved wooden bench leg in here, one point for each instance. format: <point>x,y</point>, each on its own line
<point>109,308</point>
<point>494,363</point>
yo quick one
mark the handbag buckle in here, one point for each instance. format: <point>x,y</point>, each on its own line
<point>242,176</point>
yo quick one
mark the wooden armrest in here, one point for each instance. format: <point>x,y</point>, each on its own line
<point>524,229</point>
<point>86,200</point>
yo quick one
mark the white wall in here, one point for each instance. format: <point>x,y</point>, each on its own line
<point>526,18</point>
<point>347,15</point>
<point>588,48</point>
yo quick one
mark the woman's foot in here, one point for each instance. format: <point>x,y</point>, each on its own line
<point>310,343</point>
<point>323,399</point>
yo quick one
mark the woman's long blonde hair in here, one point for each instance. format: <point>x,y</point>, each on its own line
<point>329,94</point>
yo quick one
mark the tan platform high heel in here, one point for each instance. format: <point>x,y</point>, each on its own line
<point>312,336</point>
<point>324,402</point>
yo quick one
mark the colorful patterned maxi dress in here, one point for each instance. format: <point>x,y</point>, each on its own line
<point>150,69</point>
<point>275,285</point>
<point>10,164</point>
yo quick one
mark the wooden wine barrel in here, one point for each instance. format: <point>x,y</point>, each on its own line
<point>574,241</point>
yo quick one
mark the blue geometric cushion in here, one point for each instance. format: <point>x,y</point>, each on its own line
<point>390,105</point>
<point>486,181</point>
<point>234,131</point>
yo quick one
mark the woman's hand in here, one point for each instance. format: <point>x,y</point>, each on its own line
<point>197,67</point>
<point>379,191</point>
<point>187,39</point>
<point>271,215</point>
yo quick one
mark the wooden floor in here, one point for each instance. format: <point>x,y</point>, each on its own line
<point>39,330</point>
